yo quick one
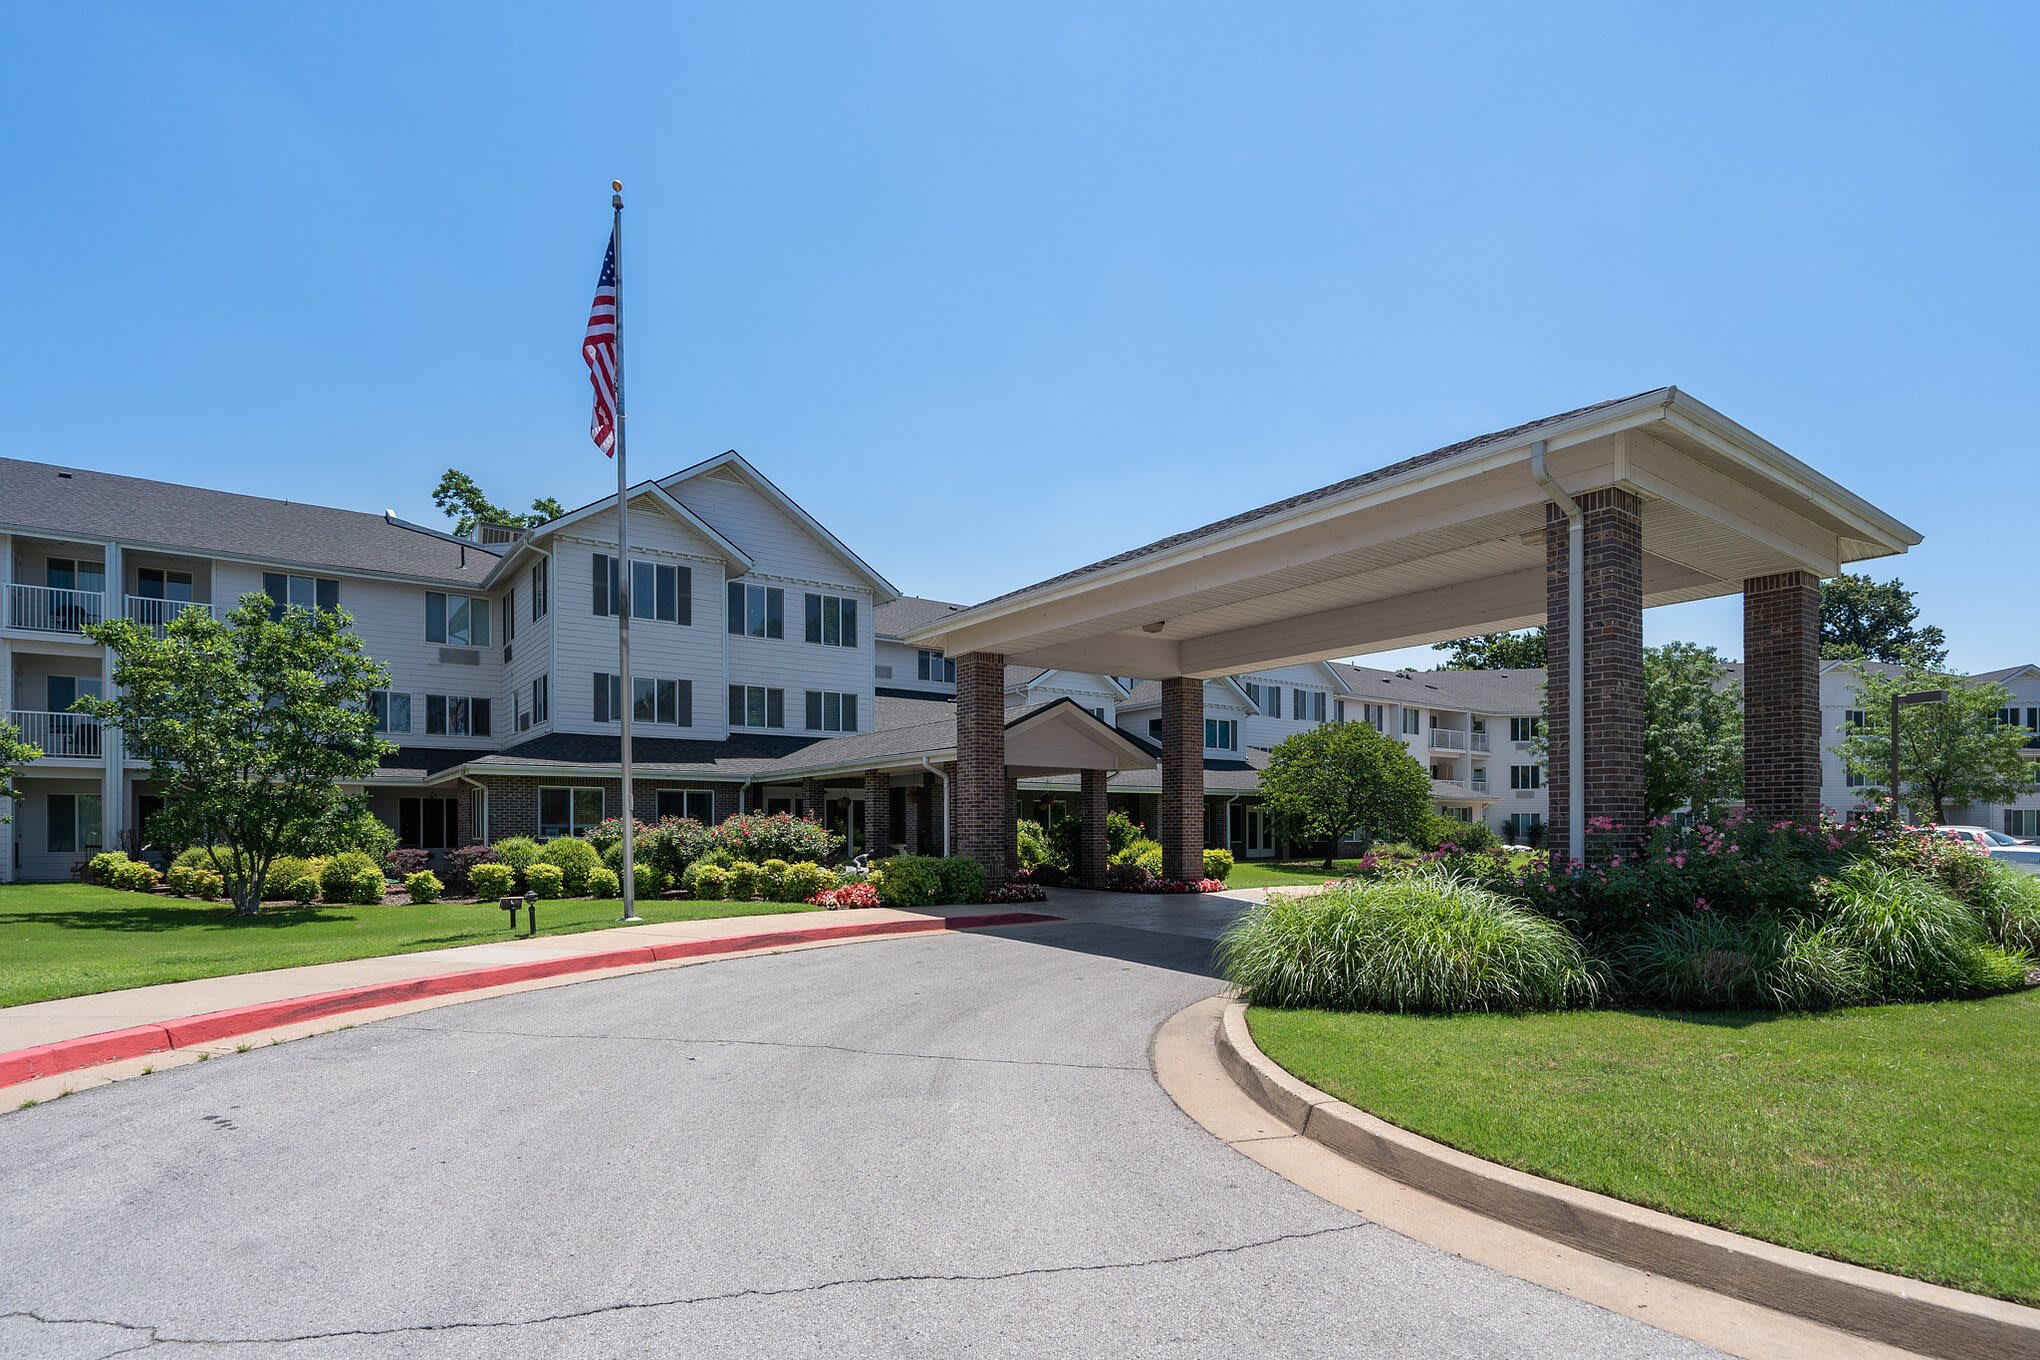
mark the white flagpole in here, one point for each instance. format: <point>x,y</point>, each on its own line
<point>629,884</point>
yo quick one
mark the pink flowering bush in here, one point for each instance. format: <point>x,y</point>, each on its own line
<point>858,894</point>
<point>1011,893</point>
<point>758,837</point>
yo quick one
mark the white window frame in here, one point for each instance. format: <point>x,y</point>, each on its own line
<point>384,705</point>
<point>472,610</point>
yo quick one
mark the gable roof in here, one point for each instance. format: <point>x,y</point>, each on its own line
<point>730,458</point>
<point>897,618</point>
<point>1478,691</point>
<point>661,497</point>
<point>44,498</point>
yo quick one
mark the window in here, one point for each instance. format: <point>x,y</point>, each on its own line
<point>2022,821</point>
<point>1316,707</point>
<point>1221,734</point>
<point>1253,689</point>
<point>1522,729</point>
<point>757,611</point>
<point>1155,728</point>
<point>2016,717</point>
<point>652,700</point>
<point>757,706</point>
<point>1338,710</point>
<point>456,620</point>
<point>1516,828</point>
<point>1296,702</point>
<point>428,823</point>
<point>1375,716</point>
<point>155,583</point>
<point>698,804</point>
<point>831,712</point>
<point>1855,720</point>
<point>70,573</point>
<point>832,620</point>
<point>1855,779</point>
<point>1412,721</point>
<point>456,715</point>
<point>311,592</point>
<point>658,590</point>
<point>74,823</point>
<point>568,812</point>
<point>540,583</point>
<point>1526,776</point>
<point>1272,707</point>
<point>541,698</point>
<point>392,710</point>
<point>937,667</point>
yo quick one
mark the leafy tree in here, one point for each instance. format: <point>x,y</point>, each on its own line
<point>249,724</point>
<point>14,753</point>
<point>461,498</point>
<point>1343,777</point>
<point>1692,729</point>
<point>1866,620</point>
<point>1522,651</point>
<point>1957,751</point>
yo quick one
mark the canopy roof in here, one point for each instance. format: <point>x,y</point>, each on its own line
<point>1443,545</point>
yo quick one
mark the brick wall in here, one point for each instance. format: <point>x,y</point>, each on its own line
<point>878,830</point>
<point>983,818</point>
<point>1091,848</point>
<point>1612,596</point>
<point>1781,695</point>
<point>1182,812</point>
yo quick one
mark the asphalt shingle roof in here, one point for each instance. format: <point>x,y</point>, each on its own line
<point>1477,691</point>
<point>66,502</point>
<point>899,617</point>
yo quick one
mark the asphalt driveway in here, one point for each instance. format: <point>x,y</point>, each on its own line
<point>927,1147</point>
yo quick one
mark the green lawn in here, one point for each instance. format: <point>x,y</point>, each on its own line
<point>1265,873</point>
<point>67,939</point>
<point>1901,1137</point>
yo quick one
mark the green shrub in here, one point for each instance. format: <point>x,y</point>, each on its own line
<point>1140,851</point>
<point>2008,902</point>
<point>911,881</point>
<point>707,881</point>
<point>424,886</point>
<point>575,860</point>
<point>361,831</point>
<point>1032,840</point>
<point>963,879</point>
<point>1440,830</point>
<point>772,880</point>
<point>519,852</point>
<point>102,867</point>
<point>305,890</point>
<point>1120,832</point>
<point>1917,941</point>
<point>803,880</point>
<point>192,881</point>
<point>284,873</point>
<point>134,876</point>
<point>195,857</point>
<point>1218,864</point>
<point>345,878</point>
<point>745,880</point>
<point>1424,941</point>
<point>754,836</point>
<point>547,880</point>
<point>677,842</point>
<point>603,883</point>
<point>1703,960</point>
<point>646,882</point>
<point>492,880</point>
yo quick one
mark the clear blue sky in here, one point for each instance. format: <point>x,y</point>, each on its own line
<point>1109,271</point>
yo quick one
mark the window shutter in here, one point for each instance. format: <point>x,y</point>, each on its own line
<point>849,713</point>
<point>327,594</point>
<point>600,576</point>
<point>736,606</point>
<point>736,704</point>
<point>814,617</point>
<point>435,616</point>
<point>775,613</point>
<point>478,722</point>
<point>814,706</point>
<point>849,623</point>
<point>666,702</point>
<point>684,708</point>
<point>683,586</point>
<point>616,698</point>
<point>601,697</point>
<point>775,708</point>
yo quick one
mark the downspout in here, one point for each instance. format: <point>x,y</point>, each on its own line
<point>1228,822</point>
<point>945,802</point>
<point>1575,655</point>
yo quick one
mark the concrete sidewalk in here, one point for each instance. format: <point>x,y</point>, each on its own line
<point>46,1022</point>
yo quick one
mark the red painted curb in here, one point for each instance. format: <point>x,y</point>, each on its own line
<point>90,1050</point>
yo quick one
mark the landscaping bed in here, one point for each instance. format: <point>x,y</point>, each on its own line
<point>66,939</point>
<point>1902,1137</point>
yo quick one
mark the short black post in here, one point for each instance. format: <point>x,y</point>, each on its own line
<point>530,913</point>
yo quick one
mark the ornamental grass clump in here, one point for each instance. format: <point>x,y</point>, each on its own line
<point>1425,941</point>
<point>1917,941</point>
<point>2008,901</point>
<point>1704,960</point>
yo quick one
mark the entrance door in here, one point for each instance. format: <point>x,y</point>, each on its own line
<point>846,819</point>
<point>1260,837</point>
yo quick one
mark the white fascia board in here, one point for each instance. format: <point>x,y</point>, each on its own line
<point>553,527</point>
<point>884,590</point>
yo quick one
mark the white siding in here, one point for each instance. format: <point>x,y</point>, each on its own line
<point>1266,729</point>
<point>758,524</point>
<point>906,669</point>
<point>1090,692</point>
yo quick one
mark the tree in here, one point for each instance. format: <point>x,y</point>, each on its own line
<point>1341,777</point>
<point>1956,751</point>
<point>462,500</point>
<point>1495,652</point>
<point>249,724</point>
<point>14,753</point>
<point>1866,620</point>
<point>1692,729</point>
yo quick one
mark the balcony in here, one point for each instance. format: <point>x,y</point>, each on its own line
<point>49,609</point>
<point>1479,781</point>
<point>1480,741</point>
<point>1447,739</point>
<point>155,614</point>
<point>60,736</point>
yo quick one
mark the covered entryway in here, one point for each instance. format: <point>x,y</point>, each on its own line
<point>1578,522</point>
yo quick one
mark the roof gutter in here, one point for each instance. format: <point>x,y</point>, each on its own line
<point>1575,655</point>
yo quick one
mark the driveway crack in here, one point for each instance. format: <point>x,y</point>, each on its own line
<point>156,1336</point>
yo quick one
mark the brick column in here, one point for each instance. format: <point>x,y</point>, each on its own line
<point>813,799</point>
<point>1091,807</point>
<point>920,832</point>
<point>1612,595</point>
<point>878,834</point>
<point>1182,811</point>
<point>1781,696</point>
<point>983,817</point>
<point>726,801</point>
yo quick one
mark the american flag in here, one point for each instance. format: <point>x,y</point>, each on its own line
<point>598,347</point>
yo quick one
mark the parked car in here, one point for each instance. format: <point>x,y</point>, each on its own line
<point>1996,844</point>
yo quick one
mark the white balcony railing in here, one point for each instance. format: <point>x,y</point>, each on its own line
<point>58,735</point>
<point>1479,781</point>
<point>1480,741</point>
<point>1447,739</point>
<point>154,614</point>
<point>47,609</point>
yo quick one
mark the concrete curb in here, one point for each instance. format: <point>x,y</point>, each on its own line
<point>1925,1318</point>
<point>91,1050</point>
